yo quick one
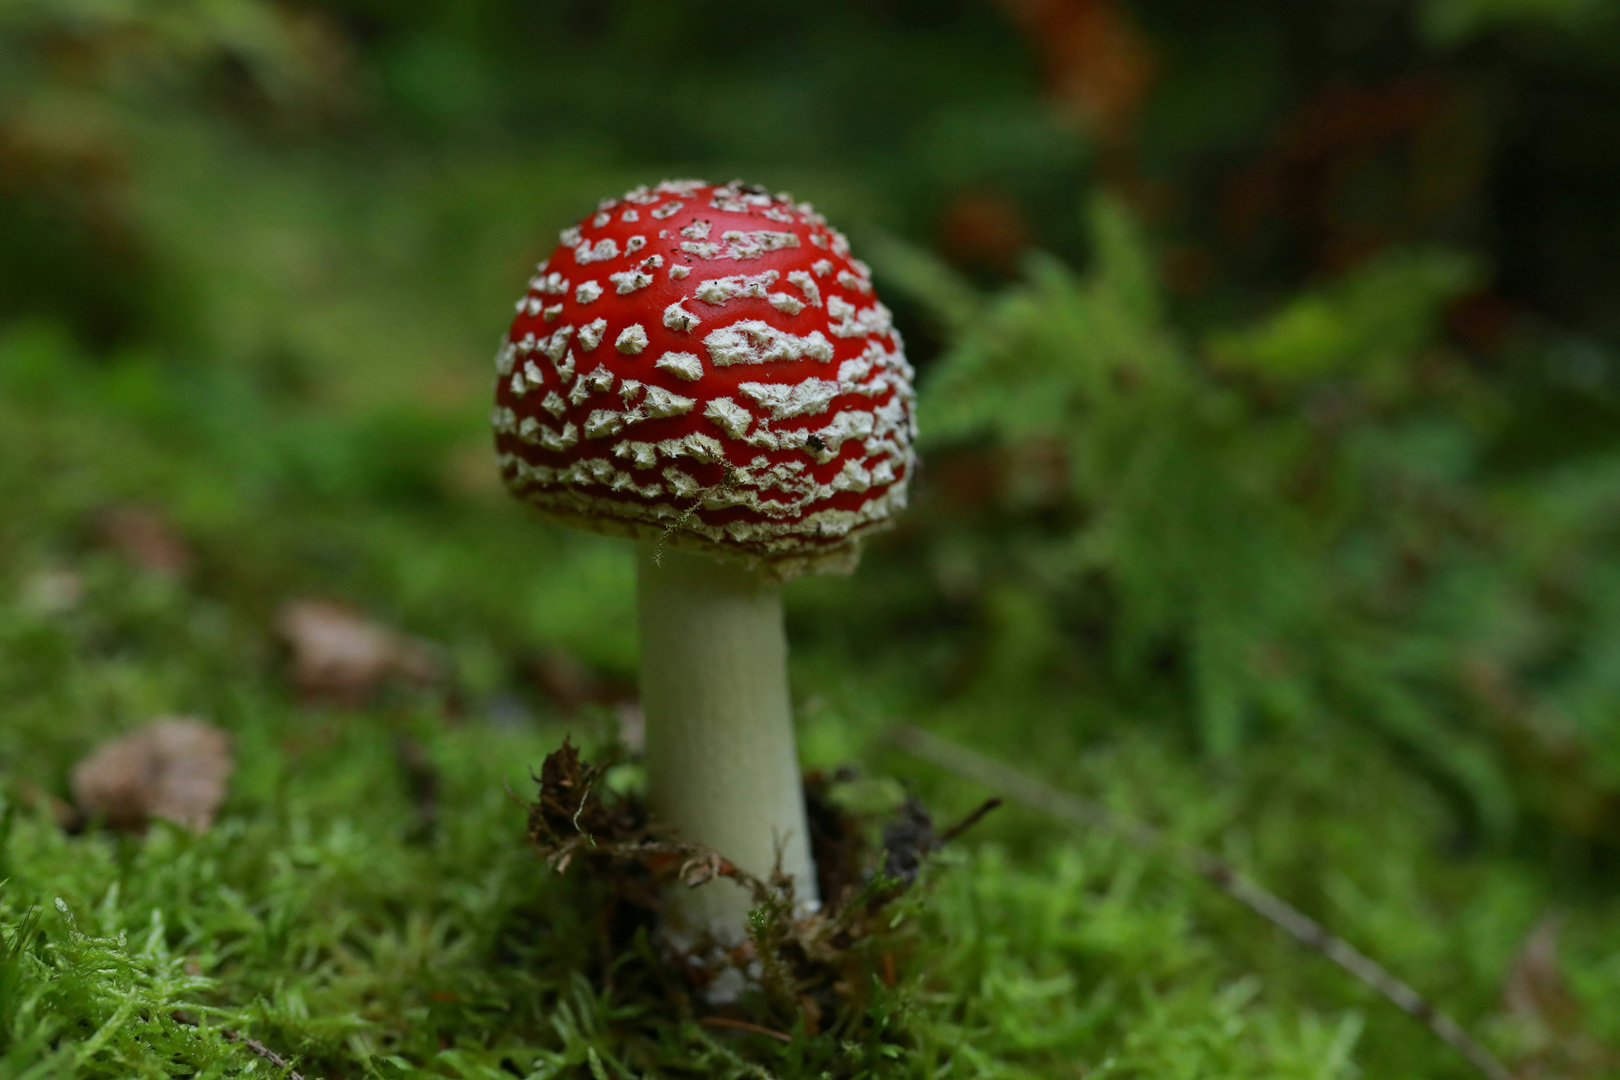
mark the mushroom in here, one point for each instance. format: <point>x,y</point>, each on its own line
<point>705,369</point>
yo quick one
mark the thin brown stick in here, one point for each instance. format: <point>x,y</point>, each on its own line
<point>252,1044</point>
<point>971,820</point>
<point>1071,808</point>
<point>744,1025</point>
<point>264,1052</point>
<point>744,1068</point>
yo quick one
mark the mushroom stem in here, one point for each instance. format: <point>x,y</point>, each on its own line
<point>721,761</point>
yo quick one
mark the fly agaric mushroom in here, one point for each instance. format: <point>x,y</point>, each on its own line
<point>705,369</point>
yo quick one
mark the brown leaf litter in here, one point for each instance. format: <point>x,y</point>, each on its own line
<point>174,768</point>
<point>571,685</point>
<point>146,538</point>
<point>1547,1014</point>
<point>1099,65</point>
<point>342,657</point>
<point>812,968</point>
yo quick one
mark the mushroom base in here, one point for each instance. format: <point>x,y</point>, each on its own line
<point>721,761</point>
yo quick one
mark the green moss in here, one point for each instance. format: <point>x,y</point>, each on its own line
<point>319,918</point>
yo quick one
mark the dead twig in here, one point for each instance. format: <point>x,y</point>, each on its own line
<point>264,1052</point>
<point>744,1025</point>
<point>971,820</point>
<point>1071,808</point>
<point>741,1067</point>
<point>254,1045</point>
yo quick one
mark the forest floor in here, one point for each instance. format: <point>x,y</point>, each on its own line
<point>365,903</point>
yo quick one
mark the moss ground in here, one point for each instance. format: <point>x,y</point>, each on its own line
<point>321,917</point>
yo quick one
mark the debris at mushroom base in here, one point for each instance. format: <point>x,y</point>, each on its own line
<point>813,968</point>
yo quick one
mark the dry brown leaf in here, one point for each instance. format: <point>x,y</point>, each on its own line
<point>1549,1016</point>
<point>571,684</point>
<point>985,228</point>
<point>1099,66</point>
<point>172,768</point>
<point>1535,990</point>
<point>1335,140</point>
<point>341,656</point>
<point>147,539</point>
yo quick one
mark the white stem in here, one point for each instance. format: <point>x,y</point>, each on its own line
<point>721,762</point>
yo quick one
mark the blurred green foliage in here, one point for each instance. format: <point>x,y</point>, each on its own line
<point>1302,524</point>
<point>1272,494</point>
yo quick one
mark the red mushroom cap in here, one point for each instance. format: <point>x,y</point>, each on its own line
<point>708,364</point>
